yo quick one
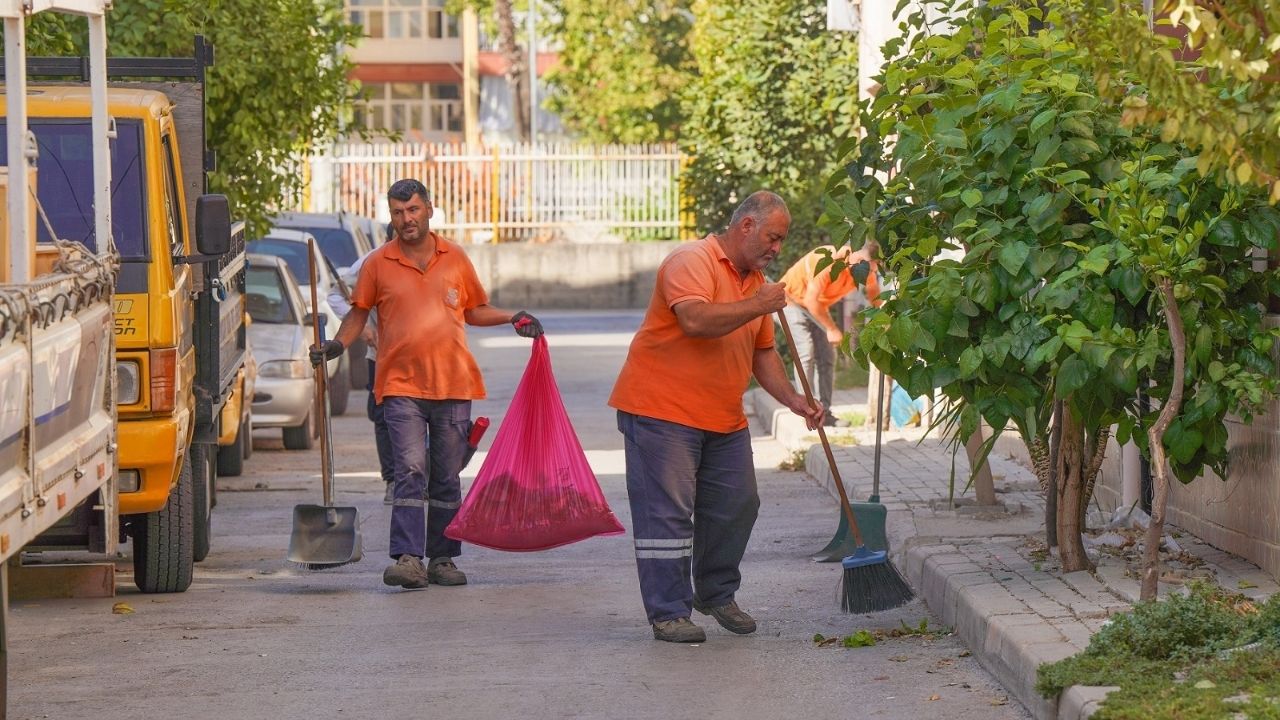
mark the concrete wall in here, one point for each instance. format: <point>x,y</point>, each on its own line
<point>1240,515</point>
<point>569,276</point>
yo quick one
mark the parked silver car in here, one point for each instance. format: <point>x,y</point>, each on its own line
<point>285,393</point>
<point>292,246</point>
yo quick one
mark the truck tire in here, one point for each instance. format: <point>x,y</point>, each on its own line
<point>203,474</point>
<point>339,392</point>
<point>302,437</point>
<point>231,457</point>
<point>162,541</point>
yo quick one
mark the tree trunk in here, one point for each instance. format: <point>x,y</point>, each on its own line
<point>1097,453</point>
<point>1155,438</point>
<point>1051,493</point>
<point>983,485</point>
<point>517,67</point>
<point>1070,476</point>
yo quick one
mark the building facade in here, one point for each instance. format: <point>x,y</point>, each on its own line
<point>433,77</point>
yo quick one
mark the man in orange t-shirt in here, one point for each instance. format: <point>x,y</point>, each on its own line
<point>690,476</point>
<point>424,288</point>
<point>810,296</point>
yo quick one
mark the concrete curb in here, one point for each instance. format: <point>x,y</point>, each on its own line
<point>1012,617</point>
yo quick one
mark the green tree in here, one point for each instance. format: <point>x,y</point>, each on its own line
<point>278,89</point>
<point>989,141</point>
<point>775,95</point>
<point>1223,99</point>
<point>622,69</point>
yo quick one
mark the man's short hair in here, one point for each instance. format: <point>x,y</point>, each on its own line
<point>404,190</point>
<point>758,206</point>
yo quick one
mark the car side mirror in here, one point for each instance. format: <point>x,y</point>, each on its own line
<point>213,225</point>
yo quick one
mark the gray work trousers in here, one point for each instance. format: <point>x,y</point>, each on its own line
<point>817,356</point>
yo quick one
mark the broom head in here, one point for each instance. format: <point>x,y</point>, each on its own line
<point>871,583</point>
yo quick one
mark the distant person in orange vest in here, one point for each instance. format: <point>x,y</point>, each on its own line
<point>810,298</point>
<point>690,476</point>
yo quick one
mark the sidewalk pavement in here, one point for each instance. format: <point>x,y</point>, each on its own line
<point>987,574</point>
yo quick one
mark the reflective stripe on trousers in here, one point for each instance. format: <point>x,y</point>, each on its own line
<point>693,504</point>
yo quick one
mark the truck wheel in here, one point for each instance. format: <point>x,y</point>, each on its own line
<point>339,392</point>
<point>301,437</point>
<point>203,474</point>
<point>231,457</point>
<point>162,541</point>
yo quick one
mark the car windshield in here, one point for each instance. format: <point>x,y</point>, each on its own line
<point>65,183</point>
<point>336,244</point>
<point>292,252</point>
<point>266,297</point>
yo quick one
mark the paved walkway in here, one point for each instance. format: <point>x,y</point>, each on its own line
<point>988,574</point>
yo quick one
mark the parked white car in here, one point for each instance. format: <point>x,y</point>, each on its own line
<point>285,393</point>
<point>291,246</point>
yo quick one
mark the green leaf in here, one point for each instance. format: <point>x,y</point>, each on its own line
<point>1216,371</point>
<point>1073,374</point>
<point>971,197</point>
<point>1043,118</point>
<point>970,360</point>
<point>1013,255</point>
<point>862,638</point>
<point>1132,284</point>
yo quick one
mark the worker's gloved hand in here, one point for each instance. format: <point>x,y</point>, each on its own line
<point>526,325</point>
<point>327,350</point>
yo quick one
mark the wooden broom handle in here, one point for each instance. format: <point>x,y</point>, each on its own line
<point>822,433</point>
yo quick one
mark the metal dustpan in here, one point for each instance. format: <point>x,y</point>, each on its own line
<point>324,536</point>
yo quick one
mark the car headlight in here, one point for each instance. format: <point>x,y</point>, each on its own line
<point>128,388</point>
<point>284,369</point>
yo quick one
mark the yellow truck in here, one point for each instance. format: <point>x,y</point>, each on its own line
<point>178,306</point>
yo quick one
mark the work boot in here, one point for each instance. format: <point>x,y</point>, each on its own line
<point>679,630</point>
<point>408,573</point>
<point>442,571</point>
<point>730,616</point>
<point>389,496</point>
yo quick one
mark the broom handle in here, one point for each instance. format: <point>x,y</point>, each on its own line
<point>822,433</point>
<point>875,475</point>
<point>322,371</point>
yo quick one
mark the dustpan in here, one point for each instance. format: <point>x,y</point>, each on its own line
<point>326,535</point>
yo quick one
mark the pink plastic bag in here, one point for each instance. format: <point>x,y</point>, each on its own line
<point>535,490</point>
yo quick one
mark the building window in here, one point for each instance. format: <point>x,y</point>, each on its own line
<point>402,19</point>
<point>412,108</point>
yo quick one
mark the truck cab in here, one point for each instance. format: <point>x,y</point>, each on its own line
<point>178,306</point>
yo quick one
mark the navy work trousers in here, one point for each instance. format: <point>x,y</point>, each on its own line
<point>693,505</point>
<point>381,438</point>
<point>428,443</point>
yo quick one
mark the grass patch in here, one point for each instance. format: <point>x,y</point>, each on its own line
<point>794,462</point>
<point>854,418</point>
<point>1210,654</point>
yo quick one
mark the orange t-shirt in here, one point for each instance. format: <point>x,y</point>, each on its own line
<point>422,342</point>
<point>798,278</point>
<point>693,381</point>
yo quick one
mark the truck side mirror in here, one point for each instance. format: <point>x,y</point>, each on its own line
<point>213,225</point>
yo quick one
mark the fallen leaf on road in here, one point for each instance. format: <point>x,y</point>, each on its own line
<point>966,653</point>
<point>1245,585</point>
<point>1000,701</point>
<point>1205,685</point>
<point>934,696</point>
<point>121,609</point>
<point>882,677</point>
<point>899,658</point>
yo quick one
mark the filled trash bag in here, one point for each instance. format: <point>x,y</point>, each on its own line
<point>535,490</point>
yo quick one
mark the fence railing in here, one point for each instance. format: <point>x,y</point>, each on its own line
<point>538,192</point>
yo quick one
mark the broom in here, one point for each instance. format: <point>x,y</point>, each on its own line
<point>870,583</point>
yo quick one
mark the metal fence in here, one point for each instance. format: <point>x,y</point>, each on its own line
<point>538,192</point>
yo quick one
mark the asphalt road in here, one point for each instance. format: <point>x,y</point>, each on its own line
<point>555,634</point>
